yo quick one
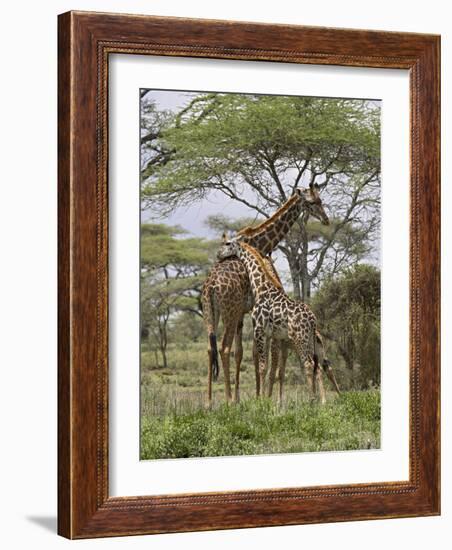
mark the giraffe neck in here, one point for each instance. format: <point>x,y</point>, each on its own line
<point>262,279</point>
<point>272,269</point>
<point>266,236</point>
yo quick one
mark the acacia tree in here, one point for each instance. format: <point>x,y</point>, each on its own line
<point>152,122</point>
<point>257,150</point>
<point>172,272</point>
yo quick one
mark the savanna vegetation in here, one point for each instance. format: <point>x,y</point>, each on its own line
<point>256,150</point>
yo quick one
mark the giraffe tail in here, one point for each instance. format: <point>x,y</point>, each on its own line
<point>213,347</point>
<point>209,318</point>
<point>315,357</point>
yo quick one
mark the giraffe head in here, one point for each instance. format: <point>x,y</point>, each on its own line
<point>312,203</point>
<point>229,247</point>
<point>264,265</point>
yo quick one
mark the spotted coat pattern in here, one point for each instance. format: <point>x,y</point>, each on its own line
<point>278,318</point>
<point>226,291</point>
<point>226,294</point>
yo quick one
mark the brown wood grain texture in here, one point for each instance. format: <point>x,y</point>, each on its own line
<point>85,42</point>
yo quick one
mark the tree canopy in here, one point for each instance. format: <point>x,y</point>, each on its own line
<point>257,150</point>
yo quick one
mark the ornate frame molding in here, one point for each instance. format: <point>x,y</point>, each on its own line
<point>85,42</point>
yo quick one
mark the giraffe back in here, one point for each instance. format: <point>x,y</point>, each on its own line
<point>228,289</point>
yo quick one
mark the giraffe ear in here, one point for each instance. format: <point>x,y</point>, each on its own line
<point>224,237</point>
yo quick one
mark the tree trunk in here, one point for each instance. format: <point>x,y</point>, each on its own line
<point>301,280</point>
<point>303,262</point>
<point>295,276</point>
<point>163,340</point>
<point>297,257</point>
<point>162,345</point>
<point>165,360</point>
<point>305,278</point>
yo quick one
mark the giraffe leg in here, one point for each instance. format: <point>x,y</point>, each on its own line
<point>309,371</point>
<point>256,369</point>
<point>262,351</point>
<point>302,339</point>
<point>318,382</point>
<point>274,365</point>
<point>225,352</point>
<point>238,359</point>
<point>329,372</point>
<point>282,369</point>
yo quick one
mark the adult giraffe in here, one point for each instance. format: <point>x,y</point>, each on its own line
<point>226,293</point>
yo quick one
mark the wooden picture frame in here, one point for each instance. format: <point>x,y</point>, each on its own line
<point>85,42</point>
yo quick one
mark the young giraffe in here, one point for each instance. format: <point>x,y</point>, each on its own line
<point>280,318</point>
<point>281,346</point>
<point>226,291</point>
<point>278,347</point>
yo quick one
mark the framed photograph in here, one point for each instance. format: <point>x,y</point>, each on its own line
<point>249,261</point>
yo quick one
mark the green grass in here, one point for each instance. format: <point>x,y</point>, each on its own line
<point>176,424</point>
<point>349,421</point>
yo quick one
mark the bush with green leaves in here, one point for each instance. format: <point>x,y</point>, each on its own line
<point>348,312</point>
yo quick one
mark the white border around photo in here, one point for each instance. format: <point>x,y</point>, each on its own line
<point>130,476</point>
